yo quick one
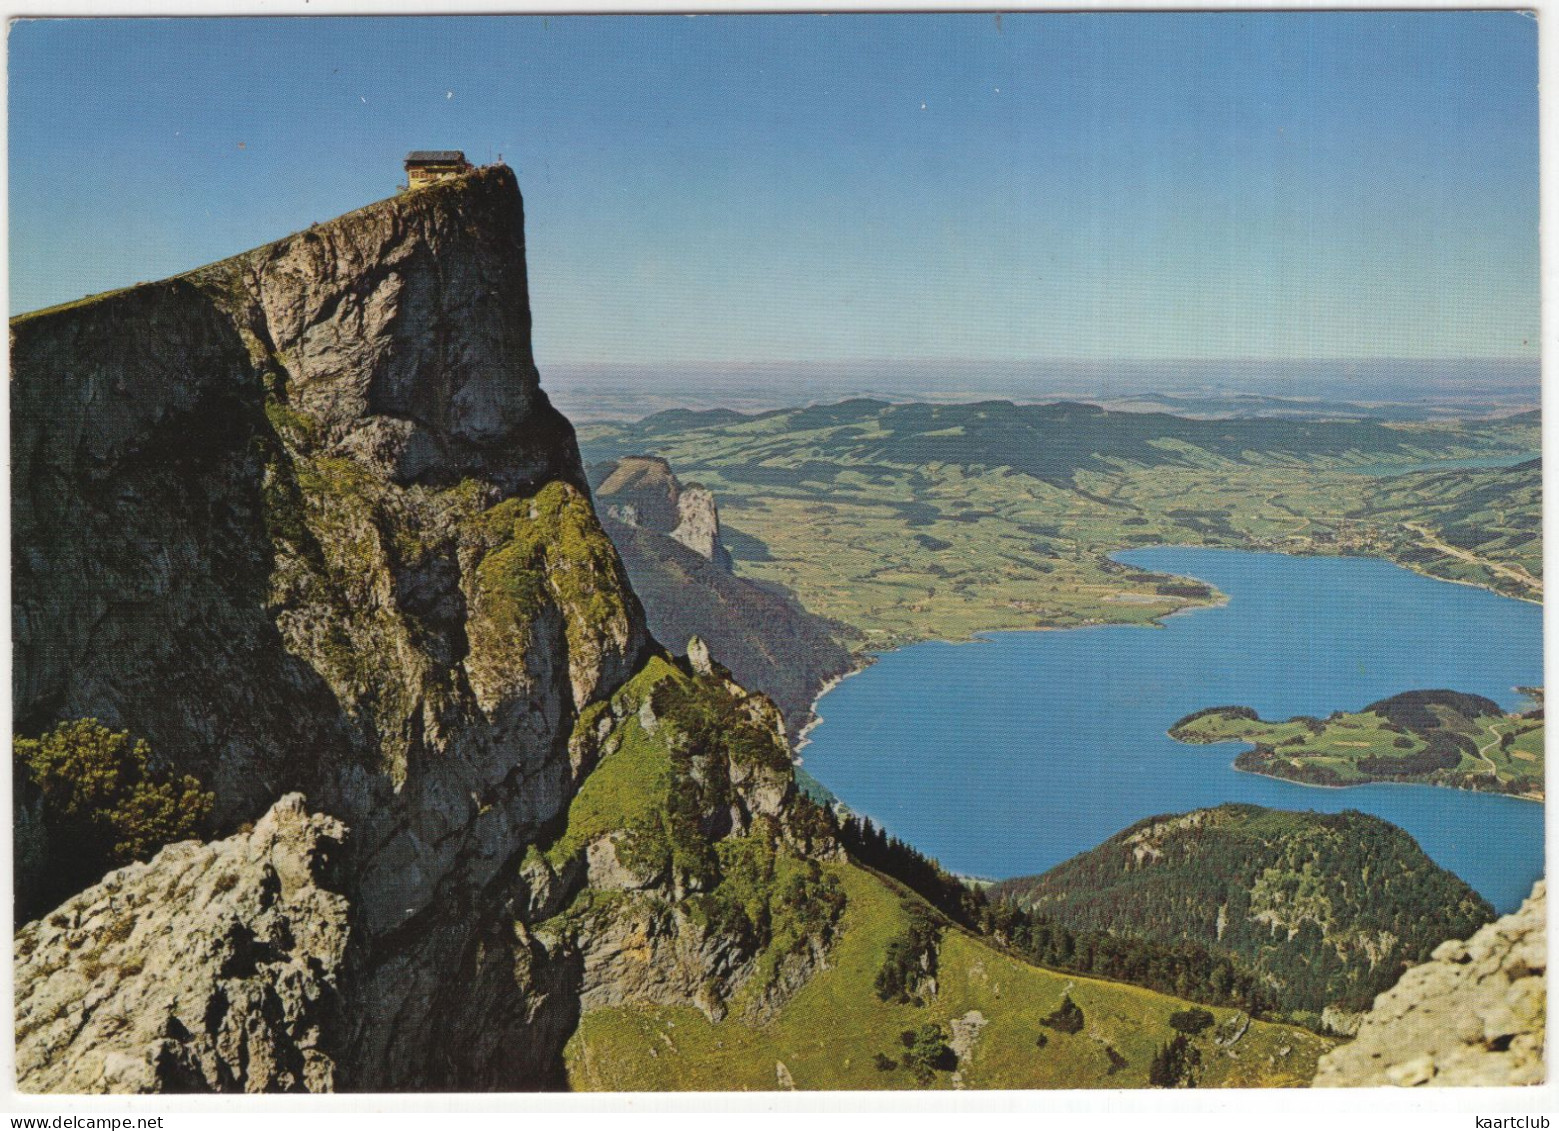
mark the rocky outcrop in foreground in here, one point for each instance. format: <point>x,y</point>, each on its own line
<point>1474,1014</point>
<point>211,967</point>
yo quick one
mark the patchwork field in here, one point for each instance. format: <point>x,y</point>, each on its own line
<point>1439,738</point>
<point>915,522</point>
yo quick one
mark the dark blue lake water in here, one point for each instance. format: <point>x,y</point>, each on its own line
<point>1006,756</point>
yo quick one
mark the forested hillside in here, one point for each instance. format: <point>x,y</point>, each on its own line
<point>1327,909</point>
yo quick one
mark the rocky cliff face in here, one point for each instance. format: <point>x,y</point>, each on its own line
<point>230,986</point>
<point>305,520</point>
<point>668,535</point>
<point>698,525</point>
<point>643,492</point>
<point>1475,1014</point>
<point>689,872</point>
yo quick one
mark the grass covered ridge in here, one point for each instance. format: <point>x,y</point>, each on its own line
<point>679,755</point>
<point>829,1034</point>
<point>628,787</point>
<point>548,547</point>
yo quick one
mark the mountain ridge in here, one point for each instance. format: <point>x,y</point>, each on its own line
<point>316,529</point>
<point>671,541</point>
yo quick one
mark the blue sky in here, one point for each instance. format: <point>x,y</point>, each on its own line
<point>805,188</point>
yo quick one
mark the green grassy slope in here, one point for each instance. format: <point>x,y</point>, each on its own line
<point>765,897</point>
<point>1482,526</point>
<point>827,1035</point>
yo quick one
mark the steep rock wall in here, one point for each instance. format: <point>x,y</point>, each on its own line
<point>668,534</point>
<point>305,521</point>
<point>770,643</point>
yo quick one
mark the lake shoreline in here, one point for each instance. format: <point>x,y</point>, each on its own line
<point>1007,760</point>
<point>982,635</point>
<point>814,717</point>
<point>1377,781</point>
<point>1411,567</point>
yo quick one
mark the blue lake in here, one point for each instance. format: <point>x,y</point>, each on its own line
<point>1008,755</point>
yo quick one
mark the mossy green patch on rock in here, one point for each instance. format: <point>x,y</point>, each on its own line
<point>773,896</point>
<point>695,873</point>
<point>628,787</point>
<point>538,552</point>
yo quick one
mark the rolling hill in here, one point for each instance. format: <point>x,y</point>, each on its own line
<point>1328,909</point>
<point>919,521</point>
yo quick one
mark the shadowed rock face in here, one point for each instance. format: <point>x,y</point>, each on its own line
<point>305,521</point>
<point>668,534</point>
<point>642,488</point>
<point>642,491</point>
<point>1475,1014</point>
<point>760,632</point>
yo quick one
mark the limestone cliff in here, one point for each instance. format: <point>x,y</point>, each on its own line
<point>643,492</point>
<point>668,534</point>
<point>229,987</point>
<point>1476,1013</point>
<point>305,521</point>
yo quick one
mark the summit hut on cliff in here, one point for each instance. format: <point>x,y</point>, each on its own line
<point>429,166</point>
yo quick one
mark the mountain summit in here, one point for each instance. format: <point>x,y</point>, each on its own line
<point>305,523</point>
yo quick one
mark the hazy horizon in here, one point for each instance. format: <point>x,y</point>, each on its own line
<point>1449,387</point>
<point>837,189</point>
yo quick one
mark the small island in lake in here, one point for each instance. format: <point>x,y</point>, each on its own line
<point>1430,737</point>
